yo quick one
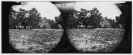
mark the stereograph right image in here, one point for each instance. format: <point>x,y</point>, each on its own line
<point>68,27</point>
<point>98,26</point>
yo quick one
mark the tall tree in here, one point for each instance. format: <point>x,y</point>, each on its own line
<point>85,17</point>
<point>94,19</point>
<point>59,20</point>
<point>73,19</point>
<point>121,20</point>
<point>12,19</point>
<point>25,18</point>
<point>33,18</point>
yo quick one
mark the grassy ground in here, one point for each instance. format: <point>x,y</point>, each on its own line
<point>42,40</point>
<point>95,40</point>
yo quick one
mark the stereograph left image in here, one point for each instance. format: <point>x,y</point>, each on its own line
<point>66,27</point>
<point>34,27</point>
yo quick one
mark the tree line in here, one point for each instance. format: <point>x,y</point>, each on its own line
<point>92,19</point>
<point>31,19</point>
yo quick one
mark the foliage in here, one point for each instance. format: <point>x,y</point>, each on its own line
<point>72,22</point>
<point>12,19</point>
<point>59,20</point>
<point>120,20</point>
<point>85,17</point>
<point>24,18</point>
<point>34,18</point>
<point>113,23</point>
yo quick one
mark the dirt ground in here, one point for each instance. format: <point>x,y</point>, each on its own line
<point>95,40</point>
<point>34,40</point>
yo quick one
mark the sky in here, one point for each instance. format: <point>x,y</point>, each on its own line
<point>49,10</point>
<point>108,9</point>
<point>46,9</point>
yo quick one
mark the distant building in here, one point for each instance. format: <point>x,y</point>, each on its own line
<point>44,24</point>
<point>47,25</point>
<point>104,23</point>
<point>59,26</point>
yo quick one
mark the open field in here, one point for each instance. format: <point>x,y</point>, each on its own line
<point>39,40</point>
<point>95,40</point>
